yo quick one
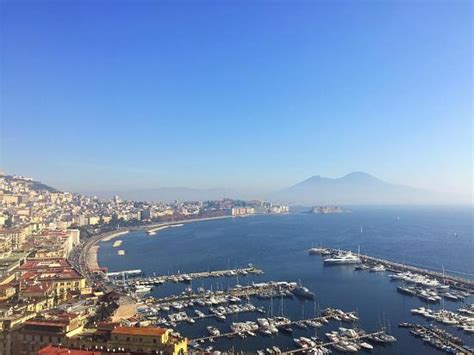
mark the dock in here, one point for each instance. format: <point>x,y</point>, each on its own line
<point>325,345</point>
<point>188,277</point>
<point>439,337</point>
<point>451,280</point>
<point>153,230</point>
<point>282,288</point>
<point>125,273</point>
<point>293,322</point>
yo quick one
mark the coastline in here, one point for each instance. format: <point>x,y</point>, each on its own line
<point>91,256</point>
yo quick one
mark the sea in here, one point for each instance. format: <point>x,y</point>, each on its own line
<point>436,238</point>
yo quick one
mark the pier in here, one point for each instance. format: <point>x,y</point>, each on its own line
<point>188,277</point>
<point>453,281</point>
<point>325,345</point>
<point>125,273</point>
<point>277,288</point>
<point>153,230</point>
<point>439,338</point>
<point>292,322</point>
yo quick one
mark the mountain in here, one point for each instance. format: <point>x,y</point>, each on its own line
<point>357,188</point>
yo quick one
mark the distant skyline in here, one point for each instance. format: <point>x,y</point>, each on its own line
<point>247,95</point>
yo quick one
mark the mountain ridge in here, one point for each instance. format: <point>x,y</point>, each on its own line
<point>354,188</point>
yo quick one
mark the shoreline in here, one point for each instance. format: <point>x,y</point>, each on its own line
<point>91,256</point>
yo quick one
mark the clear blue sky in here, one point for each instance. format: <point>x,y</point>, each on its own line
<point>129,94</point>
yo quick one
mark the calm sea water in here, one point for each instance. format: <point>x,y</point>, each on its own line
<point>428,237</point>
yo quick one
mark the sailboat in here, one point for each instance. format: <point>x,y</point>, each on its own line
<point>443,286</point>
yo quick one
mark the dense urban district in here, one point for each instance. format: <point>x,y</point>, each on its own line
<point>51,290</point>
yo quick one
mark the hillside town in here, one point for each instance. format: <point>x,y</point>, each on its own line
<point>48,301</point>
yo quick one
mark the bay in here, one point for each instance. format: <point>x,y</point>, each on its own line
<point>430,237</point>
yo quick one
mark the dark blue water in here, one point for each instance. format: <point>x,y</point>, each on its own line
<point>428,237</point>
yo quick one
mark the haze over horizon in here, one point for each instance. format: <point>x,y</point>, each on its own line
<point>245,95</point>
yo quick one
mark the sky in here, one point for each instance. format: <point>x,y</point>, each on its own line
<point>237,94</point>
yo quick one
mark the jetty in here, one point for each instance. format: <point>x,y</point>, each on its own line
<point>460,283</point>
<point>438,338</point>
<point>327,344</point>
<point>289,323</point>
<point>188,277</point>
<point>153,231</point>
<point>279,289</point>
<point>125,273</point>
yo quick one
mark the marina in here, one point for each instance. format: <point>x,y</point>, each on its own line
<point>179,277</point>
<point>438,339</point>
<point>420,276</point>
<point>346,340</point>
<point>234,304</point>
<point>271,326</point>
<point>170,312</point>
<point>454,319</point>
<point>266,290</point>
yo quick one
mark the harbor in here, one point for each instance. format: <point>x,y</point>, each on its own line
<point>264,290</point>
<point>438,339</point>
<point>182,277</point>
<point>462,319</point>
<point>217,298</point>
<point>272,325</point>
<point>192,306</point>
<point>346,257</point>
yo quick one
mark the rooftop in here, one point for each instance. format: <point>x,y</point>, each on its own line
<point>55,350</point>
<point>145,331</point>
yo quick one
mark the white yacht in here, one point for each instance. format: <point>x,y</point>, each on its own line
<point>343,258</point>
<point>142,289</point>
<point>213,331</point>
<point>377,268</point>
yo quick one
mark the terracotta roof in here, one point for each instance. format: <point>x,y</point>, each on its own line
<point>146,331</point>
<point>48,323</point>
<point>54,350</point>
<point>38,288</point>
<point>44,264</point>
